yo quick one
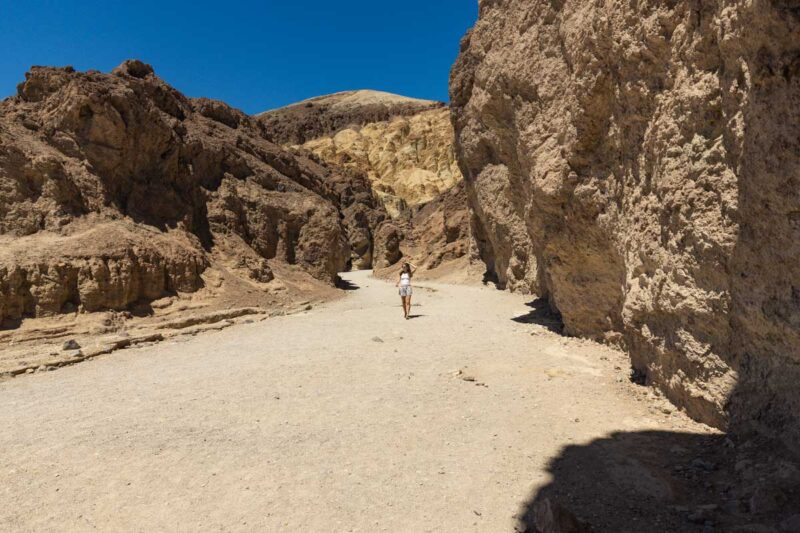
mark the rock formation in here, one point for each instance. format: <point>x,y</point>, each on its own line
<point>404,147</point>
<point>408,159</point>
<point>117,189</point>
<point>638,164</point>
<point>436,235</point>
<point>324,116</point>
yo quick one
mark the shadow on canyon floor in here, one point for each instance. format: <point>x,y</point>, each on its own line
<point>655,481</point>
<point>10,324</point>
<point>543,315</point>
<point>346,285</point>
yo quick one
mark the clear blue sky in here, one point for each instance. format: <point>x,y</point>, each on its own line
<point>253,55</point>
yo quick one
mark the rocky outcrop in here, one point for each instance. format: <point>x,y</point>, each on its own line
<point>638,165</point>
<point>436,238</point>
<point>116,188</point>
<point>361,209</point>
<point>438,232</point>
<point>441,230</point>
<point>108,265</point>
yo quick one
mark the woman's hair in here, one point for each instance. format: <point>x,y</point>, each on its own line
<point>406,268</point>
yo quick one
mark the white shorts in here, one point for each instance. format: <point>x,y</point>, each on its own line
<point>405,291</point>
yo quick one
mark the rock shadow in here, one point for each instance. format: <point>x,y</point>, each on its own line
<point>658,481</point>
<point>10,324</point>
<point>542,314</point>
<point>346,285</point>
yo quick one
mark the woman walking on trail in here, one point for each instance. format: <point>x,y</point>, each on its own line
<point>405,286</point>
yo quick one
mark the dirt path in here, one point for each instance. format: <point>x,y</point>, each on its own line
<point>343,418</point>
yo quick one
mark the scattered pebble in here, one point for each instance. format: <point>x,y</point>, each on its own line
<point>71,344</point>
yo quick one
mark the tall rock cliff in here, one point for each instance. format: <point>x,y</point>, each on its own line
<point>638,164</point>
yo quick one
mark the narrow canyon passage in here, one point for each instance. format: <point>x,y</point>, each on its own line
<point>341,418</point>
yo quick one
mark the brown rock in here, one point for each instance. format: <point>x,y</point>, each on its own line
<point>402,149</point>
<point>440,231</point>
<point>117,189</point>
<point>387,245</point>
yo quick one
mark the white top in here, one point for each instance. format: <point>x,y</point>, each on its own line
<point>405,279</point>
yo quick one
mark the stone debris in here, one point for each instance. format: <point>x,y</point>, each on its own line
<point>71,344</point>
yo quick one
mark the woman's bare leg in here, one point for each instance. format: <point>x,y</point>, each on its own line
<point>408,306</point>
<point>403,304</point>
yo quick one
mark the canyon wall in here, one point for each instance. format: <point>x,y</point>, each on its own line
<point>638,164</point>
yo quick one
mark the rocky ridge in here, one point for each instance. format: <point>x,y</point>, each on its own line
<point>637,164</point>
<point>116,190</point>
<point>324,116</point>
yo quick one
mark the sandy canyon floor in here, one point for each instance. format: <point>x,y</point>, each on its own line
<point>342,418</point>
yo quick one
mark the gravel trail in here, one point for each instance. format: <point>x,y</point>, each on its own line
<point>342,418</point>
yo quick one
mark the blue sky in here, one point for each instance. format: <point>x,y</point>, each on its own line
<point>253,55</point>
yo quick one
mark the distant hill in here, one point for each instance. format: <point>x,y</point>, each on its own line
<point>326,115</point>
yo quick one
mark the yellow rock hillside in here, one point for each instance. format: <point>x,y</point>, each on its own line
<point>409,159</point>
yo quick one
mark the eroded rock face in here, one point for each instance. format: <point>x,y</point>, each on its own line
<point>639,165</point>
<point>116,188</point>
<point>108,265</point>
<point>403,150</point>
<point>408,159</point>
<point>387,244</point>
<point>361,210</point>
<point>403,145</point>
<point>440,230</point>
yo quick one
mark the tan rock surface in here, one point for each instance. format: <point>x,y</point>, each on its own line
<point>437,240</point>
<point>638,164</point>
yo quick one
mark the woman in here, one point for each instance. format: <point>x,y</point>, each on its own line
<point>405,286</point>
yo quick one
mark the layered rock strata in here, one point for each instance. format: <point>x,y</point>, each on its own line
<point>404,147</point>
